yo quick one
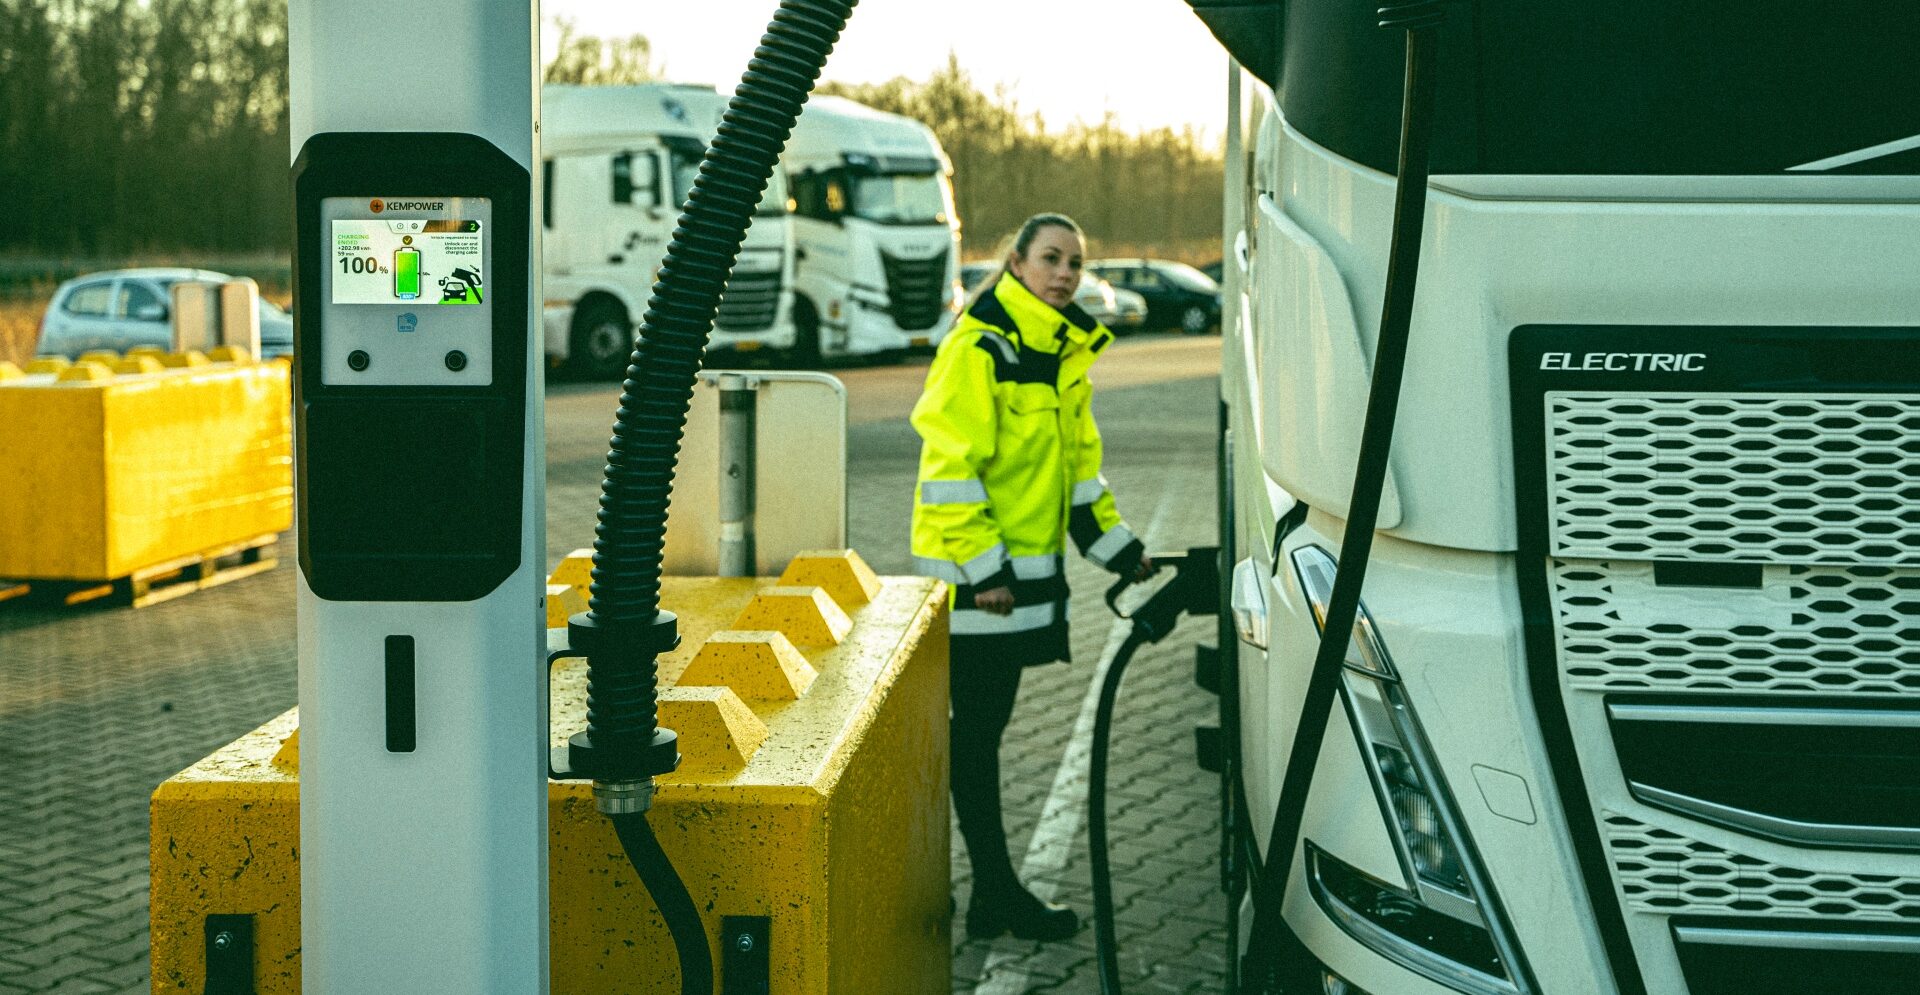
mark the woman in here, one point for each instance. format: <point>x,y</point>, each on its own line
<point>1009,469</point>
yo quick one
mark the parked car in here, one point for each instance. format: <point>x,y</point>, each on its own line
<point>121,309</point>
<point>1178,296</point>
<point>1130,310</point>
<point>1216,270</point>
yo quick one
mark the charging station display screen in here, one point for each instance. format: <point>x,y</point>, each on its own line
<point>408,261</point>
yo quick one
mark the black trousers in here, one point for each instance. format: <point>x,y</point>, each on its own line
<point>983,691</point>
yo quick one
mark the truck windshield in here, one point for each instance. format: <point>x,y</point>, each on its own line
<point>902,199</point>
<point>686,166</point>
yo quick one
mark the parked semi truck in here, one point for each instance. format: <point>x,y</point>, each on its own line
<point>619,163</point>
<point>875,231</point>
<point>1633,703</point>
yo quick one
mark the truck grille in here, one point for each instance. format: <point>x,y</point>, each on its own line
<point>750,303</point>
<point>1667,873</point>
<point>1803,630</point>
<point>1723,586</point>
<point>1794,479</point>
<point>916,290</point>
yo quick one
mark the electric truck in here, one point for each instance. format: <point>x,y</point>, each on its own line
<point>875,231</point>
<point>619,163</point>
<point>1632,702</point>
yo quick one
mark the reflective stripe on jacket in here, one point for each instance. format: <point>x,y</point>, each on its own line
<point>1010,462</point>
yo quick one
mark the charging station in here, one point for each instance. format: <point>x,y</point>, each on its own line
<point>420,482</point>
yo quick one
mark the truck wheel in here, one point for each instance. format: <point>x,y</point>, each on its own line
<point>1193,320</point>
<point>602,341</point>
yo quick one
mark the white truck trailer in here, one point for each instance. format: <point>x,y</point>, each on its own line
<point>876,233</point>
<point>620,161</point>
<point>1631,705</point>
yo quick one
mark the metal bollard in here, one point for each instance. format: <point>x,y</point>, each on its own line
<point>737,472</point>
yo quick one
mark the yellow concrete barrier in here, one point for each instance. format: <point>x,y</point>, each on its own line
<point>841,572</point>
<point>823,807</point>
<point>102,476</point>
<point>8,371</point>
<point>803,614</point>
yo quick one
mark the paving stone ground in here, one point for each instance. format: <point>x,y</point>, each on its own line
<point>97,707</point>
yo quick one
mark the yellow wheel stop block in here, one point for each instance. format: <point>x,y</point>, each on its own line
<point>563,603</point>
<point>805,615</point>
<point>847,578</point>
<point>185,360</point>
<point>718,733</point>
<point>230,354</point>
<point>758,666</point>
<point>8,371</point>
<point>48,364</point>
<point>105,357</point>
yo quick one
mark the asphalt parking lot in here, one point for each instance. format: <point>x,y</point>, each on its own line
<point>99,706</point>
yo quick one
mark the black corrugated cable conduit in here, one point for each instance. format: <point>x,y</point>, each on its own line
<point>624,630</point>
<point>1420,19</point>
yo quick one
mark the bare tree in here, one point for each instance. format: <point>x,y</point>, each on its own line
<point>592,61</point>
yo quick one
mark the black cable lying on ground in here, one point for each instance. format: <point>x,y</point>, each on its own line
<point>624,631</point>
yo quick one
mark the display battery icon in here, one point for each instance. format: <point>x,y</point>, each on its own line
<point>406,273</point>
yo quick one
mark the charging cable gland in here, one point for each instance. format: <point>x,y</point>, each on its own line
<point>623,747</point>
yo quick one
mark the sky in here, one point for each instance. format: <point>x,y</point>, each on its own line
<point>1150,62</point>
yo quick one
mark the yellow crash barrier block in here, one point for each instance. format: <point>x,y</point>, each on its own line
<point>103,476</point>
<point>185,360</point>
<point>758,666</point>
<point>133,364</point>
<point>563,603</point>
<point>105,357</point>
<point>718,733</point>
<point>230,354</point>
<point>574,571</point>
<point>845,576</point>
<point>87,371</point>
<point>8,371</point>
<point>835,827</point>
<point>147,350</point>
<point>48,364</point>
<point>803,614</point>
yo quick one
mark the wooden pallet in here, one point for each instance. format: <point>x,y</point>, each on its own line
<point>157,583</point>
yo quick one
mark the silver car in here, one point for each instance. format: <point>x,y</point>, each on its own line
<point>121,309</point>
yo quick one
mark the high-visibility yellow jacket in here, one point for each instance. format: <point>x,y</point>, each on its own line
<point>1010,467</point>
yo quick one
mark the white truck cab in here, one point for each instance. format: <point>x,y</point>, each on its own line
<point>1635,666</point>
<point>620,161</point>
<point>875,229</point>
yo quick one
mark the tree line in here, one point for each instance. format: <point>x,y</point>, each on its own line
<point>132,126</point>
<point>149,127</point>
<point>1147,191</point>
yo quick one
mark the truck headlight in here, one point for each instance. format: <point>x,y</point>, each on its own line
<point>1446,925</point>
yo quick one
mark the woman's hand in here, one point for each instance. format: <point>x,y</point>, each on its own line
<point>998,601</point>
<point>1144,570</point>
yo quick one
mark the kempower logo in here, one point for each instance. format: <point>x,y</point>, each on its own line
<point>377,205</point>
<point>1624,362</point>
